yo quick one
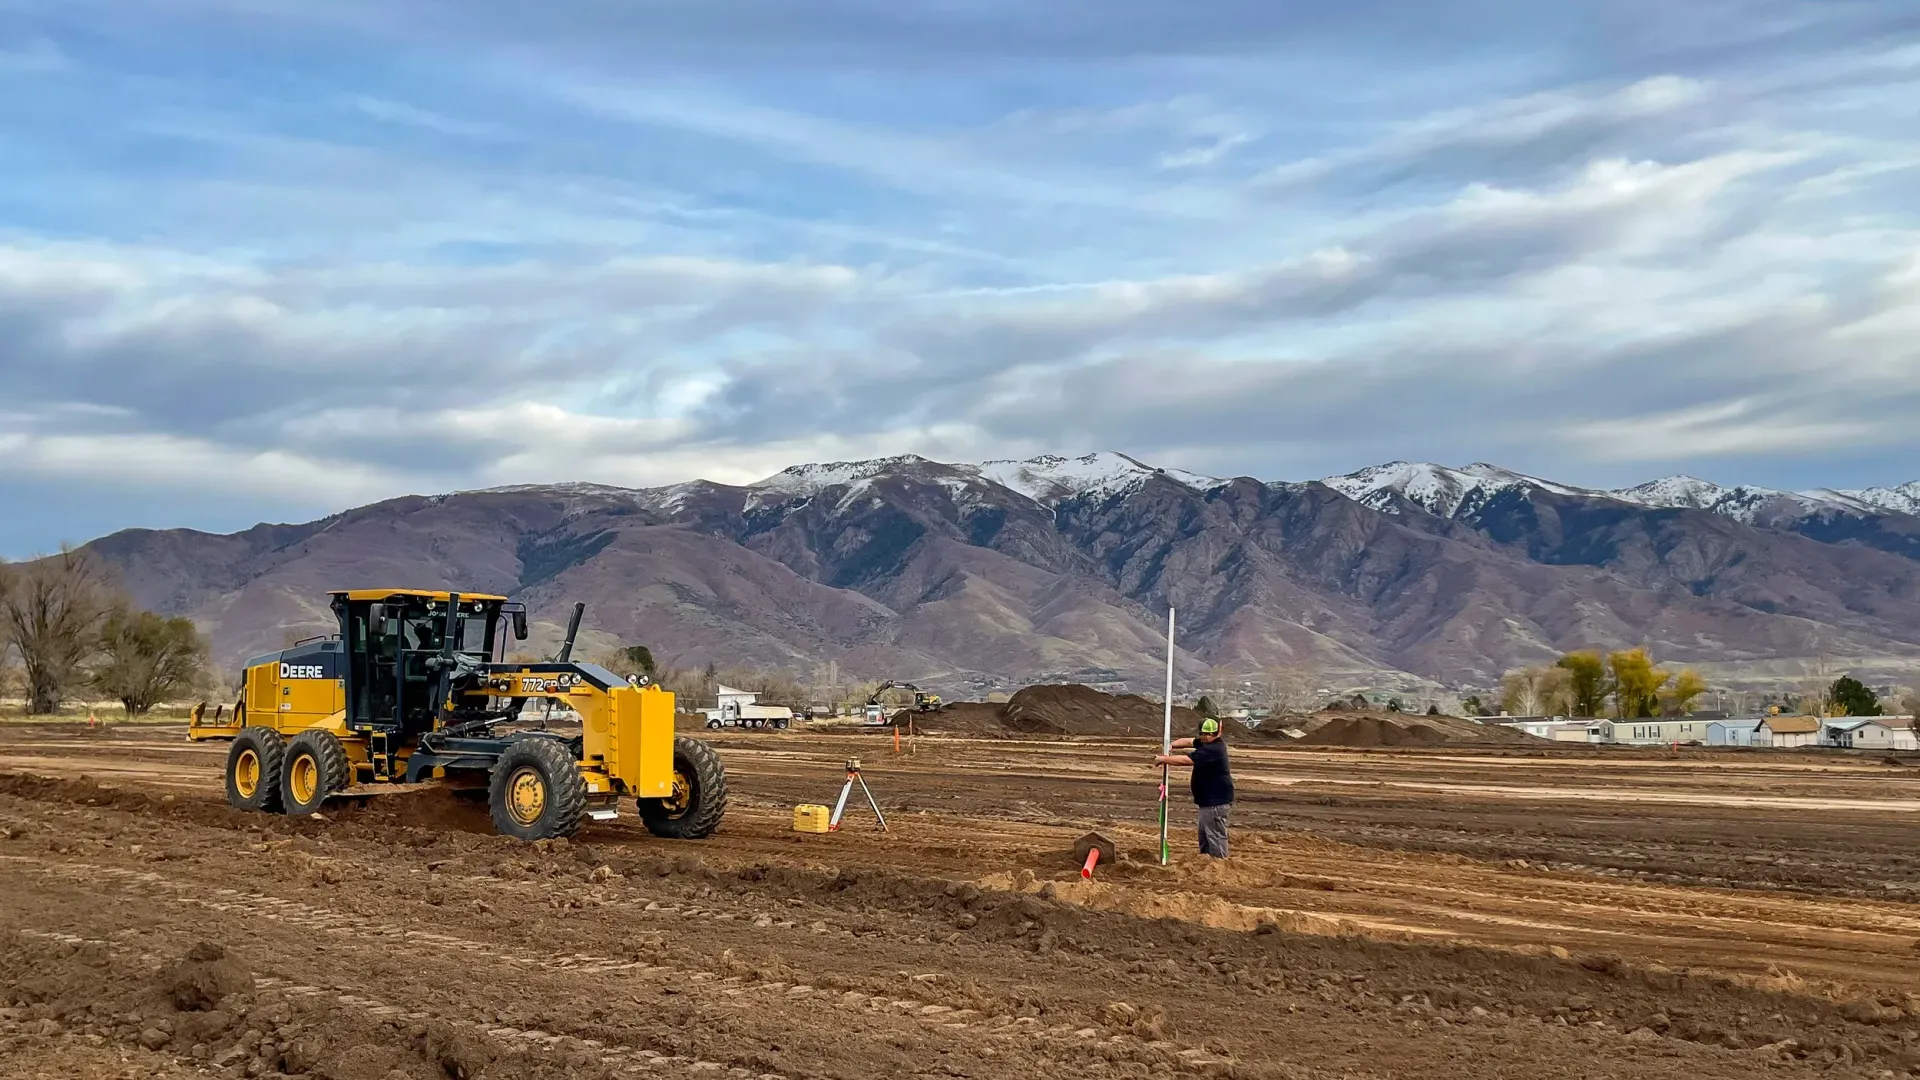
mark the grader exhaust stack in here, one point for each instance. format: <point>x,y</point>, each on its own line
<point>573,631</point>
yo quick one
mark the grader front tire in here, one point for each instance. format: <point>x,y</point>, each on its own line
<point>699,796</point>
<point>536,791</point>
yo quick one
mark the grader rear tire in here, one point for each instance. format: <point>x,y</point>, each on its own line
<point>316,767</point>
<point>254,764</point>
<point>536,791</point>
<point>699,796</point>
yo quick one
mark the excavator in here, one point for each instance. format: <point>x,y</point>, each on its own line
<point>414,689</point>
<point>876,713</point>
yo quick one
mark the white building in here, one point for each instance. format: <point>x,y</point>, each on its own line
<point>1556,730</point>
<point>1872,733</point>
<point>1648,732</point>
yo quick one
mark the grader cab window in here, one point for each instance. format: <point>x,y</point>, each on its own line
<point>389,646</point>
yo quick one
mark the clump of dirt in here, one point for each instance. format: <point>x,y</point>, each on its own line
<point>205,977</point>
<point>437,808</point>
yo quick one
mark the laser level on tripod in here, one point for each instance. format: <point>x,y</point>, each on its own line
<point>846,792</point>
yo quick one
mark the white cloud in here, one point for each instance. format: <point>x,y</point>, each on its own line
<point>1723,429</point>
<point>1548,129</point>
<point>1201,156</point>
<point>148,461</point>
<point>612,270</point>
<point>399,112</point>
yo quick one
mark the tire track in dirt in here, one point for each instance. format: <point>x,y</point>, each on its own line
<point>634,1061</point>
<point>1065,1043</point>
<point>1266,997</point>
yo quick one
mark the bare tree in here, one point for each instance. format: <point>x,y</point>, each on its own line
<point>1537,691</point>
<point>1290,689</point>
<point>1810,695</point>
<point>51,612</point>
<point>146,658</point>
<point>1813,694</point>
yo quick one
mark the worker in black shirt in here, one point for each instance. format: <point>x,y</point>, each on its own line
<point>1212,784</point>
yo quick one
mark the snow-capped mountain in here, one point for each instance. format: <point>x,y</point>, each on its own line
<point>1751,504</point>
<point>1051,478</point>
<point>1459,492</point>
<point>1438,489</point>
<point>814,478</point>
<point>1904,499</point>
<point>1047,479</point>
<point>1741,503</point>
<point>991,575</point>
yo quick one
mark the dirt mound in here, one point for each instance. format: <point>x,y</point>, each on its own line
<point>1073,709</point>
<point>437,808</point>
<point>1272,729</point>
<point>963,717</point>
<point>1401,729</point>
<point>1371,731</point>
<point>1063,709</point>
<point>205,977</point>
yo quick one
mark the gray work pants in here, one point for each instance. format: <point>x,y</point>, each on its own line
<point>1213,830</point>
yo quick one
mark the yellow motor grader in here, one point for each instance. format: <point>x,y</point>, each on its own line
<point>410,692</point>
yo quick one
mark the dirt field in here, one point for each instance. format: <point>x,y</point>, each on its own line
<point>1403,912</point>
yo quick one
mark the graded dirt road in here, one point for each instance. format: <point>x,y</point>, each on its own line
<point>1391,914</point>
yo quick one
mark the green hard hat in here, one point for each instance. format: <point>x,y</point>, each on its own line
<point>1209,727</point>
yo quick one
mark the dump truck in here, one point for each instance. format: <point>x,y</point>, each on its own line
<point>413,689</point>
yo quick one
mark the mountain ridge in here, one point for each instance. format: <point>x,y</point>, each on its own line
<point>991,575</point>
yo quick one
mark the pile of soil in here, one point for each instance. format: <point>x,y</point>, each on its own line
<point>1403,729</point>
<point>1072,709</point>
<point>1064,709</point>
<point>967,717</point>
<point>1371,731</point>
<point>1273,728</point>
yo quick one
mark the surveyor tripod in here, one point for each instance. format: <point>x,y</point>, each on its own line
<point>840,807</point>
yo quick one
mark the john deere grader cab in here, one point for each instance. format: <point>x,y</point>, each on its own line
<point>410,692</point>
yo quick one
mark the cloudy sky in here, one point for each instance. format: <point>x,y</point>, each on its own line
<point>264,259</point>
